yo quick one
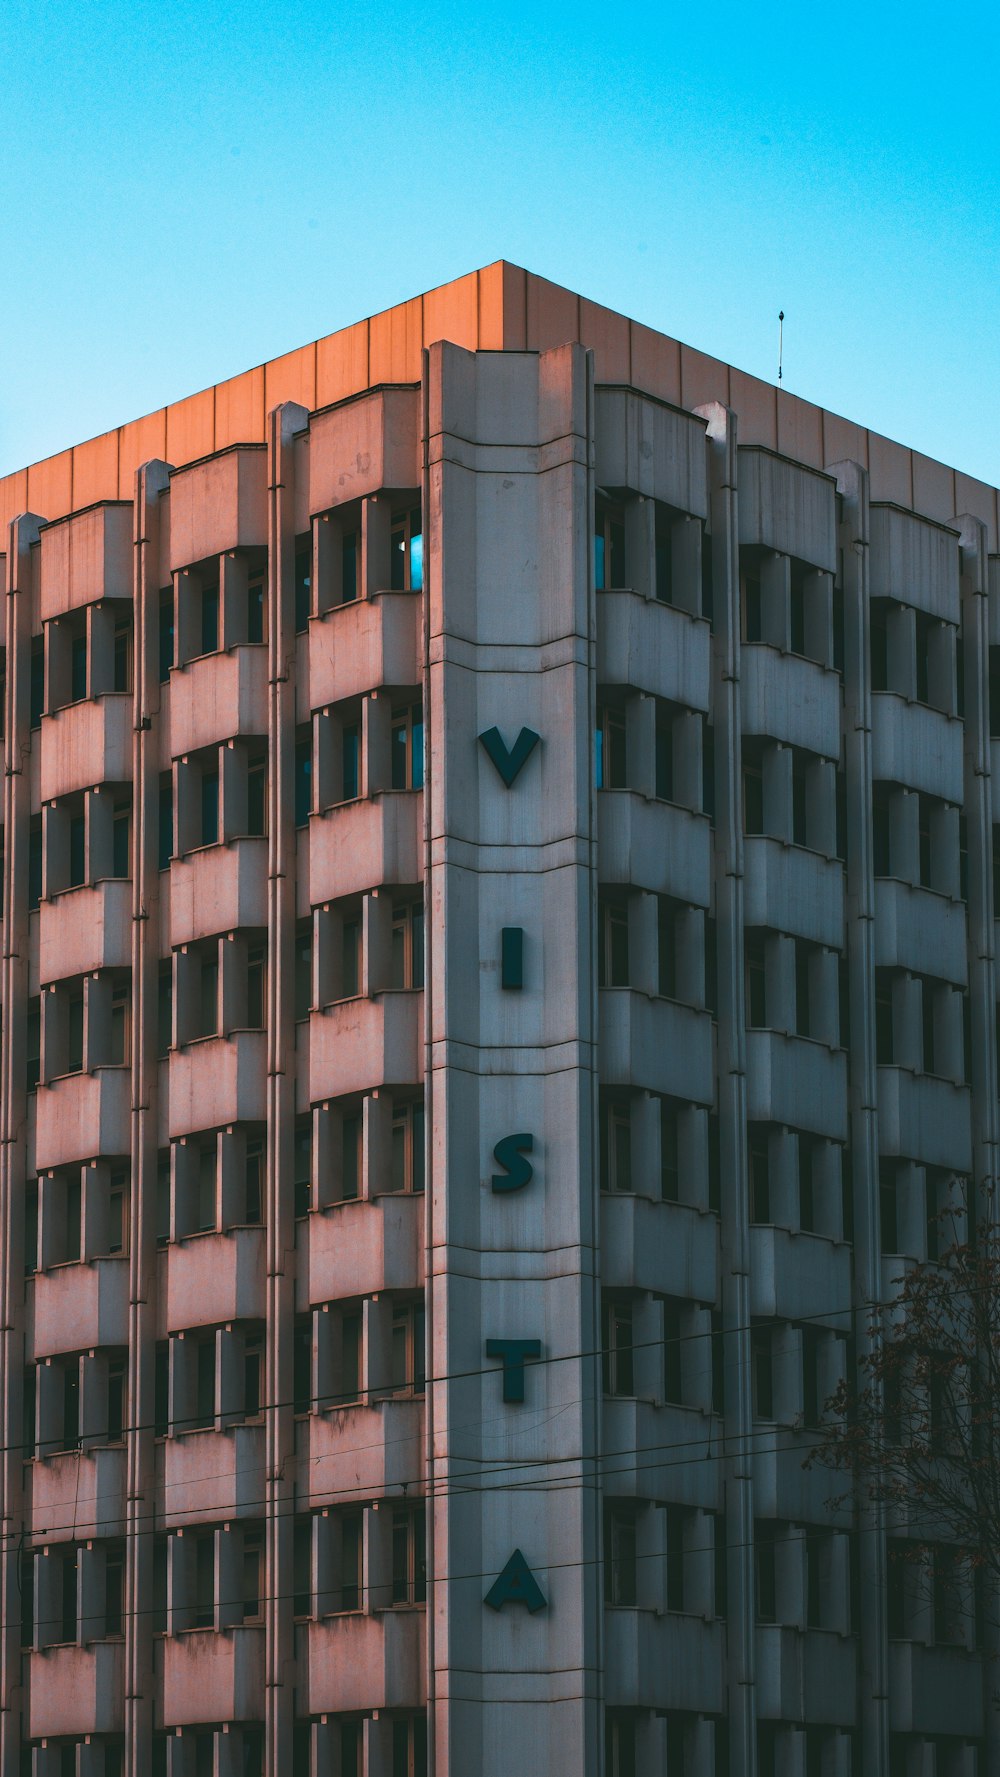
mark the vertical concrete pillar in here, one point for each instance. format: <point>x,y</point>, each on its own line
<point>279,1486</point>
<point>732,1095</point>
<point>980,815</point>
<point>20,577</point>
<point>853,542</point>
<point>511,644</point>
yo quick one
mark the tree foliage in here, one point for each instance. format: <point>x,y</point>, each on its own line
<point>919,1431</point>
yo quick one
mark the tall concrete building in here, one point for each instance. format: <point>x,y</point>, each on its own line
<point>498,972</point>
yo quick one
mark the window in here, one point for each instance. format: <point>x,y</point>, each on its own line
<point>407,954</point>
<point>257,796</point>
<point>406,552</point>
<point>166,820</point>
<point>114,1590</point>
<point>670,1169</point>
<point>203,1613</point>
<point>800,796</point>
<point>753,796</point>
<point>616,1145</point>
<point>118,1203</point>
<point>667,927</point>
<point>884,1044</point>
<point>122,669</point>
<point>350,745</point>
<point>34,863</point>
<point>350,555</point>
<point>78,668</point>
<point>760,1177</point>
<point>807,1194</point>
<point>302,1365</point>
<point>611,758</point>
<point>303,779</point>
<point>164,1009</point>
<point>121,1024</point>
<point>253,1198</point>
<point>616,1342</point>
<point>888,1197</point>
<point>166,633</point>
<point>256,985</point>
<point>673,1370</point>
<point>207,1004</point>
<point>409,1747</point>
<point>619,1745</point>
<point>407,1349</point>
<point>350,958</point>
<point>209,807</point>
<point>803,1001</point>
<point>74,1031</point>
<point>33,1044</point>
<point>621,1585</point>
<point>351,1155</point>
<point>36,694</point>
<point>765,1538</point>
<point>303,588</point>
<point>256,582</point>
<point>352,1542</point>
<point>407,1147</point>
<point>408,748</point>
<point>207,1174</point>
<point>676,1524</point>
<point>664,760</point>
<point>253,1375</point>
<point>750,599</point>
<point>879,646</point>
<point>811,1387</point>
<point>612,952</point>
<point>756,981</point>
<point>77,850</point>
<point>209,637</point>
<point>67,1560</point>
<point>762,1359</point>
<point>302,1166</point>
<point>252,1574</point>
<point>303,969</point>
<point>609,546</point>
<point>409,1555</point>
<point>121,830</point>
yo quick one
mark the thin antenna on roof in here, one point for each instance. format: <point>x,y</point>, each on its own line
<point>781,329</point>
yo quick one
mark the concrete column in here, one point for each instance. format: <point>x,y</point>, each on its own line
<point>20,743</point>
<point>853,541</point>
<point>279,1485</point>
<point>980,814</point>
<point>520,855</point>
<point>732,1099</point>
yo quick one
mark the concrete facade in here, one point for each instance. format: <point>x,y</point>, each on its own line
<point>498,971</point>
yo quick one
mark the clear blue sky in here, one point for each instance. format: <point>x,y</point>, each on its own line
<point>188,189</point>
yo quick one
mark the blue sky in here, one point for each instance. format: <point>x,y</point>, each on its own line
<point>189,189</point>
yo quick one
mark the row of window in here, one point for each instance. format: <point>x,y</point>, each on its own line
<point>344,1744</point>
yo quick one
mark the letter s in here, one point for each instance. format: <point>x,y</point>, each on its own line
<point>510,1153</point>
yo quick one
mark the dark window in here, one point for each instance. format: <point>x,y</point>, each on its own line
<point>879,648</point>
<point>255,607</point>
<point>166,820</point>
<point>36,696</point>
<point>77,850</point>
<point>760,1177</point>
<point>121,830</point>
<point>349,568</point>
<point>350,762</point>
<point>761,1347</point>
<point>303,780</point>
<point>670,1169</point>
<point>764,1553</point>
<point>209,808</point>
<point>888,1207</point>
<point>303,589</point>
<point>756,993</point>
<point>123,655</point>
<point>166,632</point>
<point>753,796</point>
<point>78,669</point>
<point>673,1373</point>
<point>257,797</point>
<point>209,619</point>
<point>618,1366</point>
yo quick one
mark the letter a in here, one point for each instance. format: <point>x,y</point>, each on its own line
<point>516,1585</point>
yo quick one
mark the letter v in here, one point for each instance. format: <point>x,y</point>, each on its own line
<point>509,763</point>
